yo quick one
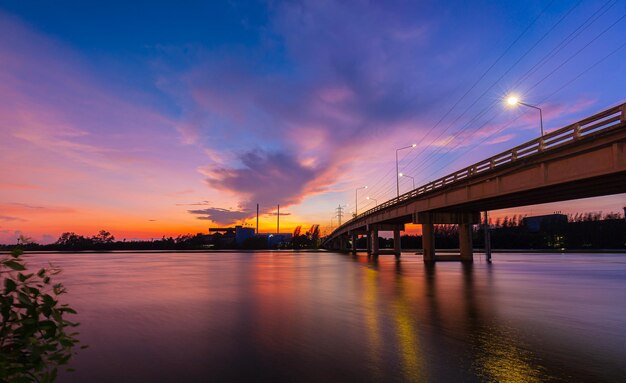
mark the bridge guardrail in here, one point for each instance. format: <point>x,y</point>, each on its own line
<point>590,126</point>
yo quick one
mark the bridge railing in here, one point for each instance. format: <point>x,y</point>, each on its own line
<point>590,126</point>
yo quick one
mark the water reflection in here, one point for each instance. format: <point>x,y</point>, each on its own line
<point>275,316</point>
<point>406,321</point>
<point>500,354</point>
<point>371,314</point>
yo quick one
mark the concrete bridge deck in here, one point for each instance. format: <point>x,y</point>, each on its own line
<point>585,159</point>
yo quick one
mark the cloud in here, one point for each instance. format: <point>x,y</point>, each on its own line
<point>334,94</point>
<point>48,100</point>
<point>220,215</point>
<point>202,203</point>
<point>18,186</point>
<point>9,218</point>
<point>19,207</point>
<point>501,139</point>
<point>269,178</point>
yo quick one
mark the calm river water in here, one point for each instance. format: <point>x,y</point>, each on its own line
<point>327,317</point>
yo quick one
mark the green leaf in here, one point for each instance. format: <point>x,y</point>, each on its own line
<point>68,310</point>
<point>9,285</point>
<point>14,265</point>
<point>48,300</point>
<point>24,278</point>
<point>23,298</point>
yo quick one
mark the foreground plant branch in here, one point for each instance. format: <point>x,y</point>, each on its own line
<point>36,338</point>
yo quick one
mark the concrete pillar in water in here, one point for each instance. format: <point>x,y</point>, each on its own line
<point>368,237</point>
<point>397,247</point>
<point>374,238</point>
<point>354,238</point>
<point>465,242</point>
<point>487,238</point>
<point>428,242</point>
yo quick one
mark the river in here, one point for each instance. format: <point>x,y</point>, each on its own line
<point>329,317</point>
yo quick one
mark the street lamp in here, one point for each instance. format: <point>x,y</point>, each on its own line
<point>373,199</point>
<point>397,170</point>
<point>356,201</point>
<point>513,100</point>
<point>405,175</point>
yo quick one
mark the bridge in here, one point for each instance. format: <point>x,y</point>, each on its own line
<point>584,159</point>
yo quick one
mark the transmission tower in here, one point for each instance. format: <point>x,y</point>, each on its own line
<point>339,214</point>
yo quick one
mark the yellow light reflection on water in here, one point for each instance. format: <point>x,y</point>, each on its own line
<point>501,359</point>
<point>375,340</point>
<point>413,366</point>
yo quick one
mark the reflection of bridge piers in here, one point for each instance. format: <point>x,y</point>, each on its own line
<point>585,159</point>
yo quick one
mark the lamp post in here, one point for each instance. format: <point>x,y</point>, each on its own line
<point>513,100</point>
<point>397,170</point>
<point>373,199</point>
<point>405,175</point>
<point>356,201</point>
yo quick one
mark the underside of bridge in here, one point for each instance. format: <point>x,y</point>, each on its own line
<point>586,159</point>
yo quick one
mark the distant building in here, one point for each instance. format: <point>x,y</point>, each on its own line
<point>243,233</point>
<point>534,224</point>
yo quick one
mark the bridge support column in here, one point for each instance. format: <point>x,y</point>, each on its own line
<point>465,242</point>
<point>354,238</point>
<point>368,240</point>
<point>428,242</point>
<point>397,246</point>
<point>374,239</point>
<point>487,238</point>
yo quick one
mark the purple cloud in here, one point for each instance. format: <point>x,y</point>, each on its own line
<point>267,178</point>
<point>220,215</point>
<point>330,86</point>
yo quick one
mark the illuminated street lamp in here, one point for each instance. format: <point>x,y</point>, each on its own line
<point>405,175</point>
<point>373,199</point>
<point>397,170</point>
<point>356,201</point>
<point>513,100</point>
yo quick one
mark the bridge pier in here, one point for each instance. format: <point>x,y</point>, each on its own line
<point>428,242</point>
<point>374,238</point>
<point>464,220</point>
<point>354,238</point>
<point>397,246</point>
<point>465,242</point>
<point>368,240</point>
<point>342,243</point>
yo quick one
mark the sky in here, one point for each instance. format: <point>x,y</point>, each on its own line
<point>165,118</point>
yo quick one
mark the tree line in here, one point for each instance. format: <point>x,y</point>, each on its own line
<point>579,231</point>
<point>105,241</point>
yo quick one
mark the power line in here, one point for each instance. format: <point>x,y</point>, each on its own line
<point>476,82</point>
<point>562,18</point>
<point>500,78</point>
<point>517,117</point>
<point>589,21</point>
